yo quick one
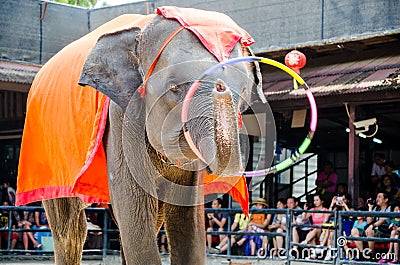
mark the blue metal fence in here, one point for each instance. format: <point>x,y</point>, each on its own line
<point>106,230</point>
<point>297,252</point>
<point>290,252</point>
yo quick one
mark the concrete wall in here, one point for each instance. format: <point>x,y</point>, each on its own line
<point>277,24</point>
<point>62,24</point>
<point>19,30</point>
<point>100,15</point>
<point>25,37</point>
<point>274,24</point>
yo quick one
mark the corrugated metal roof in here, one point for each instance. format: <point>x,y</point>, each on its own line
<point>344,78</point>
<point>14,72</point>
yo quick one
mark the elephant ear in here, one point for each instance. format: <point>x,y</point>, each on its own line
<point>112,68</point>
<point>257,90</point>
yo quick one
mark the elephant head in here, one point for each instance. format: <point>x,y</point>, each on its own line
<point>118,64</point>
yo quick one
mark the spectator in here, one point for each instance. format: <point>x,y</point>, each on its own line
<point>326,181</point>
<point>163,243</point>
<point>341,188</point>
<point>94,224</point>
<point>293,204</point>
<point>338,203</point>
<point>279,226</point>
<point>387,185</point>
<point>358,230</point>
<point>378,170</point>
<point>361,204</point>
<point>360,224</point>
<point>26,223</point>
<point>389,167</point>
<point>216,222</point>
<point>394,228</point>
<point>258,223</point>
<point>40,223</point>
<point>300,233</point>
<point>240,224</point>
<point>94,236</point>
<point>378,227</point>
<point>9,192</point>
<point>316,218</point>
<point>4,224</point>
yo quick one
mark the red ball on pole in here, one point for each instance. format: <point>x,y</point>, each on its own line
<point>295,60</point>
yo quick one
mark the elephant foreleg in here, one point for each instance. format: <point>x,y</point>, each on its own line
<point>134,209</point>
<point>138,230</point>
<point>123,261</point>
<point>186,234</point>
<point>67,221</point>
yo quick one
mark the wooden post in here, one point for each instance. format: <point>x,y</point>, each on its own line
<point>354,157</point>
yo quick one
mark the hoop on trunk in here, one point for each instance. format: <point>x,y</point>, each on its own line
<point>313,106</point>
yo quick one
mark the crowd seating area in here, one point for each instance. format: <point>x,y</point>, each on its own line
<point>341,249</point>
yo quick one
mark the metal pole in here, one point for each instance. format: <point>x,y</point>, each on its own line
<point>339,232</point>
<point>291,180</point>
<point>306,179</point>
<point>105,233</point>
<point>288,239</point>
<point>228,251</point>
<point>9,230</point>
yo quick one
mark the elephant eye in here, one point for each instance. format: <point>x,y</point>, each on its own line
<point>174,87</point>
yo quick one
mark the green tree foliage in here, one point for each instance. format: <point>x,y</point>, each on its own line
<point>83,3</point>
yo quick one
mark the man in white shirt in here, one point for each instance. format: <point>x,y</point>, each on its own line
<point>377,171</point>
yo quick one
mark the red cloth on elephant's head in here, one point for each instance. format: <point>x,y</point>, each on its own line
<point>218,32</point>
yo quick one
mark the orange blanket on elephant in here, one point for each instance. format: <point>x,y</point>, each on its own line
<point>62,150</point>
<point>63,131</point>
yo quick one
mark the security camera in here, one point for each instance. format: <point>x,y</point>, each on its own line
<point>363,125</point>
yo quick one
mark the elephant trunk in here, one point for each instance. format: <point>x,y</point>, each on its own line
<point>227,154</point>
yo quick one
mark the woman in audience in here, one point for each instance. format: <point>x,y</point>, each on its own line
<point>316,219</point>
<point>27,223</point>
<point>338,203</point>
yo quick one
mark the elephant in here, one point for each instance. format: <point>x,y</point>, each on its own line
<point>144,140</point>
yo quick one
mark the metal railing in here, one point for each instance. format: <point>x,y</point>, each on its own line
<point>298,252</point>
<point>272,180</point>
<point>106,230</point>
<point>290,252</point>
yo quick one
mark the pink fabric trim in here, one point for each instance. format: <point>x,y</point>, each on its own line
<point>98,141</point>
<point>51,193</point>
